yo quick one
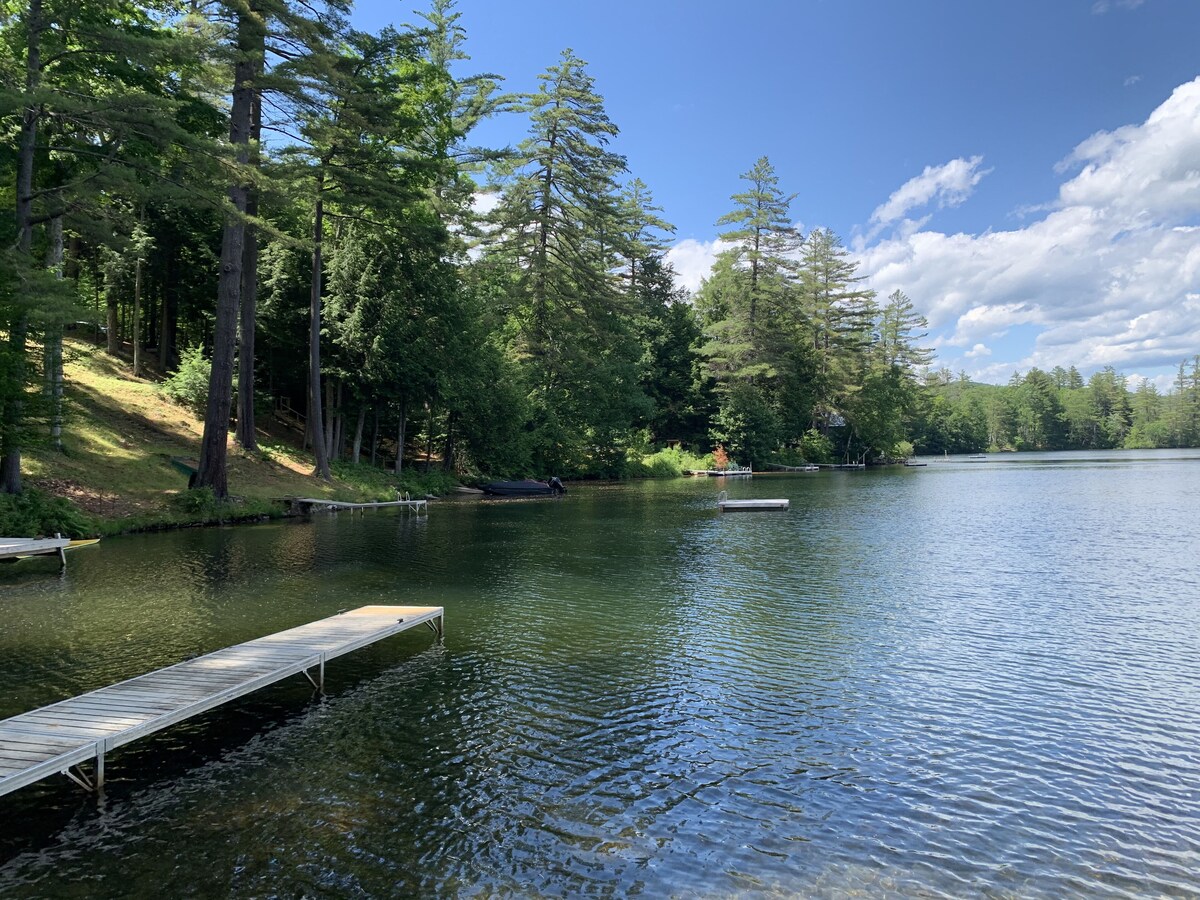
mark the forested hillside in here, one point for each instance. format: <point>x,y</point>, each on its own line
<point>288,217</point>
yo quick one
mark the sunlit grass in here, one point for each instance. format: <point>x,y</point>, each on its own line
<point>120,434</point>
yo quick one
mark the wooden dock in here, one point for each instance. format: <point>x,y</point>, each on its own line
<point>59,738</point>
<point>23,548</point>
<point>307,504</point>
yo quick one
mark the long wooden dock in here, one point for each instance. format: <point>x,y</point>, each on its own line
<point>59,738</point>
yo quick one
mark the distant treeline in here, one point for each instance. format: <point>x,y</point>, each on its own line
<point>1059,410</point>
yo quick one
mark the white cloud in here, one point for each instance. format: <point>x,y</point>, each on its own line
<point>483,202</point>
<point>977,352</point>
<point>1132,80</point>
<point>949,184</point>
<point>693,260</point>
<point>1110,274</point>
<point>1164,384</point>
<point>1100,7</point>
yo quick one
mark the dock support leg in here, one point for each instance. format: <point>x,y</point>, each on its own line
<point>100,771</point>
<point>436,627</point>
<point>319,681</point>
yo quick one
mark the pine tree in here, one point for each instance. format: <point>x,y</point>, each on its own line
<point>558,232</point>
<point>836,316</point>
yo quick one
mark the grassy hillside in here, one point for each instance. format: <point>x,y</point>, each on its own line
<point>121,434</point>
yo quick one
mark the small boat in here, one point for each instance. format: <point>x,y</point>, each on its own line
<point>526,488</point>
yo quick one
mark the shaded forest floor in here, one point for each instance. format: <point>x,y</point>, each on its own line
<point>121,435</point>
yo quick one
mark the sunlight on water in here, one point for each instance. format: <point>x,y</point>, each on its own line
<point>973,678</point>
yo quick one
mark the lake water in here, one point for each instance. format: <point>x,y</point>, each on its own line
<point>976,678</point>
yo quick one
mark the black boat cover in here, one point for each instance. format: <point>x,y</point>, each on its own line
<point>527,488</point>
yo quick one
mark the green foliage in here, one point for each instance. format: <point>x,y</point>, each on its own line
<point>33,513</point>
<point>188,386</point>
<point>668,463</point>
<point>746,425</point>
<point>200,503</point>
<point>816,447</point>
<point>381,485</point>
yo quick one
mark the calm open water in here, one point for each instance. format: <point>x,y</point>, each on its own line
<point>977,678</point>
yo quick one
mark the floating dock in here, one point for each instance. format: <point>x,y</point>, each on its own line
<point>59,738</point>
<point>741,505</point>
<point>743,472</point>
<point>724,504</point>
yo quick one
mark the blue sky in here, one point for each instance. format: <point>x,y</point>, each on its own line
<point>1026,170</point>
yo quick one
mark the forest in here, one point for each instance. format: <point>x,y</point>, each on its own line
<point>278,215</point>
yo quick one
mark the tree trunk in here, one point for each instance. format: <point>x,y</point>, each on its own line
<point>330,416</point>
<point>214,444</point>
<point>314,338</point>
<point>429,442</point>
<point>339,425</point>
<point>375,437</point>
<point>448,453</point>
<point>245,415</point>
<point>10,420</point>
<point>52,361</point>
<point>10,434</point>
<point>400,439</point>
<point>166,325</point>
<point>358,433</point>
<point>136,328</point>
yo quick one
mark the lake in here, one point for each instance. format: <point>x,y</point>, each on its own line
<point>974,678</point>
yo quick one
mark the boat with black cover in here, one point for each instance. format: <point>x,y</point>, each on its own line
<point>526,488</point>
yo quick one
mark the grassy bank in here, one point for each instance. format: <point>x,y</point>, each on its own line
<point>126,448</point>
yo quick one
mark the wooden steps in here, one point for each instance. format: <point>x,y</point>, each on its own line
<point>56,738</point>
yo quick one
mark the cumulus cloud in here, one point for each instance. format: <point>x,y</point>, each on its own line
<point>949,184</point>
<point>693,260</point>
<point>1109,275</point>
<point>978,351</point>
<point>484,202</point>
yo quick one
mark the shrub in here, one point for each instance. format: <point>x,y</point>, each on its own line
<point>189,385</point>
<point>669,463</point>
<point>816,447</point>
<point>33,513</point>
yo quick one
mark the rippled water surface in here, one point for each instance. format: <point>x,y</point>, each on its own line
<point>976,678</point>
